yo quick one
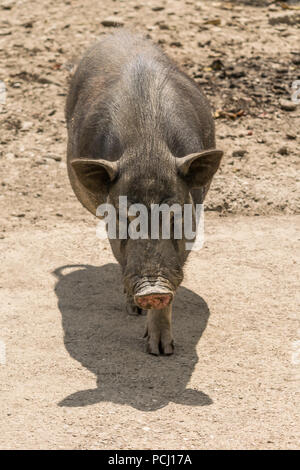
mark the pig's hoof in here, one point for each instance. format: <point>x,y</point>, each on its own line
<point>163,344</point>
<point>133,309</point>
<point>166,348</point>
<point>152,347</point>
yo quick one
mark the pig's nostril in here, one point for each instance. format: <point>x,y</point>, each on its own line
<point>153,301</point>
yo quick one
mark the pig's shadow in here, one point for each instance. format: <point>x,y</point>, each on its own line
<point>104,339</point>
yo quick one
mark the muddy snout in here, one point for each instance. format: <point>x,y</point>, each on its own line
<point>153,297</point>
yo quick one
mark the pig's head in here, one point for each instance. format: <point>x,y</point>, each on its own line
<point>152,268</point>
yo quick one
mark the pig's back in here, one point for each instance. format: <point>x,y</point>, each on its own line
<point>105,62</point>
<point>125,89</point>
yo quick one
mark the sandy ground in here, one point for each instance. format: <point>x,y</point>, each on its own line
<point>76,374</point>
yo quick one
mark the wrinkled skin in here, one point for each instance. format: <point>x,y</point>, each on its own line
<point>139,127</point>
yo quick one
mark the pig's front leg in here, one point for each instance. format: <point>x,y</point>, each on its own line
<point>159,331</point>
<point>131,308</point>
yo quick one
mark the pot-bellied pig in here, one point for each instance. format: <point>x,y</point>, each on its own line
<point>140,127</point>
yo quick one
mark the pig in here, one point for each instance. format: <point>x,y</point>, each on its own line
<point>139,127</point>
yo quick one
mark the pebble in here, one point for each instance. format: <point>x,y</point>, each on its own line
<point>54,157</point>
<point>283,151</point>
<point>8,4</point>
<point>28,24</point>
<point>291,18</point>
<point>10,155</point>
<point>296,60</point>
<point>291,136</point>
<point>217,64</point>
<point>163,26</point>
<point>287,105</point>
<point>112,21</point>
<point>239,153</point>
<point>176,44</point>
<point>26,125</point>
<point>236,73</point>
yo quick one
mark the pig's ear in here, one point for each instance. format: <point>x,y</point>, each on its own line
<point>94,174</point>
<point>198,168</point>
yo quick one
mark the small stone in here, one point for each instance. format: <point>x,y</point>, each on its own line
<point>239,153</point>
<point>113,22</point>
<point>26,125</point>
<point>282,70</point>
<point>291,136</point>
<point>214,22</point>
<point>176,44</point>
<point>163,26</point>
<point>158,8</point>
<point>28,24</point>
<point>296,60</point>
<point>203,44</point>
<point>8,4</point>
<point>236,73</point>
<point>283,151</point>
<point>290,18</point>
<point>287,105</point>
<point>273,8</point>
<point>57,158</point>
<point>217,64</point>
<point>10,156</point>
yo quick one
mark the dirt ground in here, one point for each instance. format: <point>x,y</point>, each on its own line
<point>75,373</point>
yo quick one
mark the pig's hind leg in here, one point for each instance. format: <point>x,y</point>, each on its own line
<point>159,331</point>
<point>132,308</point>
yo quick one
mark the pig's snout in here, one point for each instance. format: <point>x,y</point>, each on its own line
<point>153,301</point>
<point>153,296</point>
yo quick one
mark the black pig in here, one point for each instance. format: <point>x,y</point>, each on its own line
<point>140,127</point>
